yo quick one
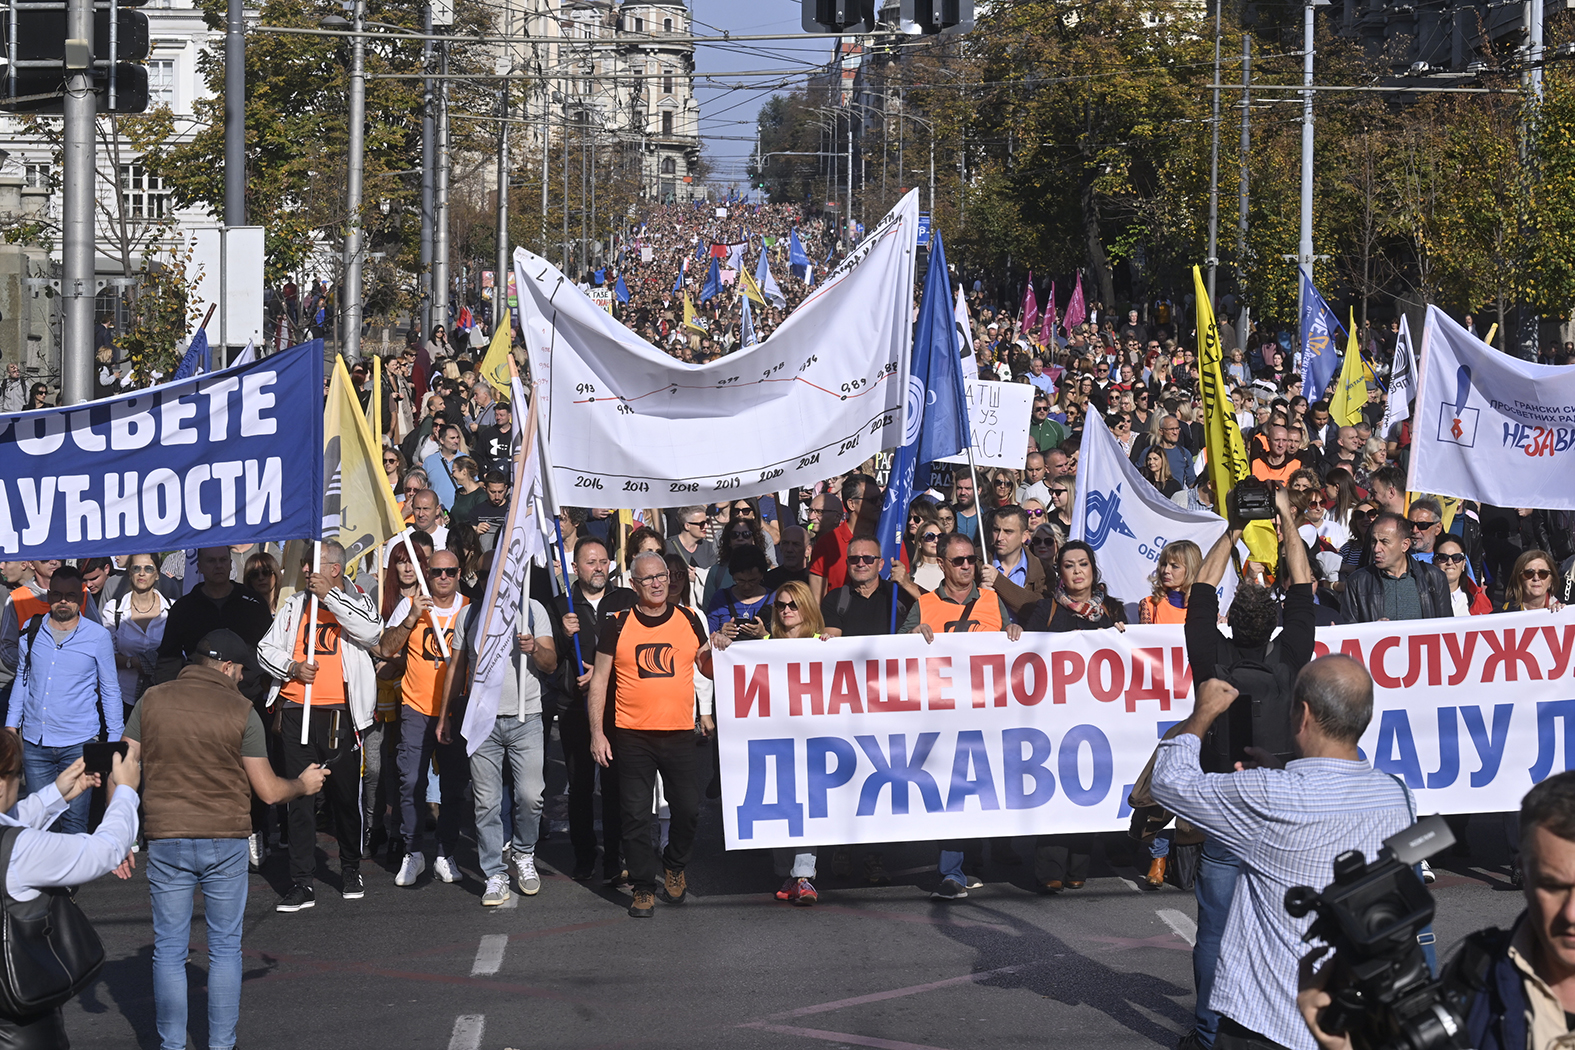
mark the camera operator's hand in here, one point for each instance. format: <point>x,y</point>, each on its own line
<point>1258,758</point>
<point>1282,504</point>
<point>1312,998</point>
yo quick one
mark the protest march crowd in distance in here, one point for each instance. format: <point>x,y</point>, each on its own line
<point>192,654</point>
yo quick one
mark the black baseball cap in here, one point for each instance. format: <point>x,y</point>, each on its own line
<point>224,644</point>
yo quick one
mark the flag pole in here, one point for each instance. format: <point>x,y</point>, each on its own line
<point>523,613</point>
<point>421,581</point>
<point>377,400</point>
<point>311,643</point>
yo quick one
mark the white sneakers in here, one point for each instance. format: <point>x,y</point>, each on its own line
<point>445,869</point>
<point>497,891</point>
<point>412,867</point>
<point>525,872</point>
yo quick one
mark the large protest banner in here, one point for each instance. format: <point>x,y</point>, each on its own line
<point>1490,427</point>
<point>230,457</point>
<point>889,739</point>
<point>816,399</point>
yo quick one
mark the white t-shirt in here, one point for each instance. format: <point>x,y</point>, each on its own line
<point>510,696</point>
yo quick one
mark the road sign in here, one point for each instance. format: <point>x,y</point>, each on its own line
<point>924,230</point>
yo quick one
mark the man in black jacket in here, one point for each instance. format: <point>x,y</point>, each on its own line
<point>1395,586</point>
<point>592,599</point>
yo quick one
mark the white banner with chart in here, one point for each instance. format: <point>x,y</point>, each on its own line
<point>823,394</point>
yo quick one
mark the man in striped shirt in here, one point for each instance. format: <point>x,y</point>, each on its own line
<point>1287,826</point>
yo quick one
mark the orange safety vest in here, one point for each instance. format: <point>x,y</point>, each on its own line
<point>27,604</point>
<point>947,617</point>
<point>328,687</point>
<point>425,668</point>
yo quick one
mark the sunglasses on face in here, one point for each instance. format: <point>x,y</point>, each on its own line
<point>256,573</point>
<point>863,559</point>
<point>1449,559</point>
<point>55,597</point>
<point>1535,574</point>
<point>930,537</point>
<point>1423,526</point>
<point>964,559</point>
<point>784,604</point>
<point>651,580</point>
<point>1041,541</point>
<point>446,570</point>
<point>1002,483</point>
<point>1036,513</point>
<point>143,568</point>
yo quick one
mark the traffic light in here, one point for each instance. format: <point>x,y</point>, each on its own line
<point>37,79</point>
<point>935,16</point>
<point>833,16</point>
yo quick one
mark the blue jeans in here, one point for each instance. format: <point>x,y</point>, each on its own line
<point>1215,886</point>
<point>1159,845</point>
<point>176,868</point>
<point>519,744</point>
<point>42,765</point>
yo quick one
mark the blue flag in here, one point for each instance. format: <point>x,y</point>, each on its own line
<point>197,358</point>
<point>713,281</point>
<point>935,419</point>
<point>621,290</point>
<point>678,282</point>
<point>1320,351</point>
<point>768,284</point>
<point>797,258</point>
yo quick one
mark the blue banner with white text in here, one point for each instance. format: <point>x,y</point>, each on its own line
<point>230,457</point>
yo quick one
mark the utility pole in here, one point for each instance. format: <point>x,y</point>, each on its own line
<point>428,175</point>
<point>848,218</point>
<point>77,285</point>
<point>235,114</point>
<point>350,310</point>
<point>500,280</point>
<point>564,134</point>
<point>440,282</point>
<point>1304,248</point>
<point>1212,261</point>
<point>1246,148</point>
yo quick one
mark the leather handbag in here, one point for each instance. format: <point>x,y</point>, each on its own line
<point>49,948</point>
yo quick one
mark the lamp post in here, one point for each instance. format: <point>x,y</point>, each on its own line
<point>350,309</point>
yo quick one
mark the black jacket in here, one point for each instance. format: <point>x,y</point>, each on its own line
<point>614,599</point>
<point>194,615</point>
<point>1364,593</point>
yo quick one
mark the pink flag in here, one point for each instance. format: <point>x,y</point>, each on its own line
<point>1047,333</point>
<point>1076,313</point>
<point>1030,306</point>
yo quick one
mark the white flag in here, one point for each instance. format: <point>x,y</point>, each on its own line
<point>965,336</point>
<point>1491,427</point>
<point>1402,381</point>
<point>1126,520</point>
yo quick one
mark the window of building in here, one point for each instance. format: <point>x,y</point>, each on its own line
<point>667,122</point>
<point>145,194</point>
<point>667,80</point>
<point>639,24</point>
<point>667,25</point>
<point>39,175</point>
<point>161,82</point>
<point>669,166</point>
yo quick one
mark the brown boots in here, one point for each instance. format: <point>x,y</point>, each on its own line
<point>1156,874</point>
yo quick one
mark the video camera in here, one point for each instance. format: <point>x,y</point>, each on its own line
<point>1253,499</point>
<point>1385,997</point>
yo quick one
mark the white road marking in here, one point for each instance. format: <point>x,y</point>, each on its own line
<point>1129,884</point>
<point>467,1032</point>
<point>489,957</point>
<point>1180,924</point>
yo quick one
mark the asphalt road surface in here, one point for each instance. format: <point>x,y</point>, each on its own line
<point>428,967</point>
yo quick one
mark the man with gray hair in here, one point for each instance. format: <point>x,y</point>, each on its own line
<point>1286,826</point>
<point>337,664</point>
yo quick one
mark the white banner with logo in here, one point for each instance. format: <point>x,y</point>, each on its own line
<point>998,419</point>
<point>1490,427</point>
<point>1126,520</point>
<point>890,739</point>
<point>823,394</point>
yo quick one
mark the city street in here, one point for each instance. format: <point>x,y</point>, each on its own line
<point>1104,967</point>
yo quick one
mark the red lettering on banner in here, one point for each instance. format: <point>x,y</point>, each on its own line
<point>1353,648</point>
<point>1021,668</point>
<point>915,683</point>
<point>1561,653</point>
<point>744,695</point>
<point>1154,661</point>
<point>812,687</point>
<point>872,686</point>
<point>1065,669</point>
<point>1320,649</point>
<point>845,689</point>
<point>893,700</point>
<point>1511,654</point>
<point>1435,660</point>
<point>996,662</point>
<point>1375,662</point>
<point>1461,660</point>
<point>937,669</point>
<point>1111,659</point>
<point>1180,673</point>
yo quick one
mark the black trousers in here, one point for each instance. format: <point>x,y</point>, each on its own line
<point>1061,858</point>
<point>341,791</point>
<point>574,730</point>
<point>642,754</point>
<point>1233,1036</point>
<point>41,1031</point>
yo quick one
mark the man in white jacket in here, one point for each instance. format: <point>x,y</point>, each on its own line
<point>344,694</point>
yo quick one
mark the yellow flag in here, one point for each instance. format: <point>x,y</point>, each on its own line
<point>1227,453</point>
<point>1350,391</point>
<point>747,285</point>
<point>495,366</point>
<point>358,505</point>
<point>691,322</point>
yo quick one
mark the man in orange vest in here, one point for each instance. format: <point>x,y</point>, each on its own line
<point>959,605</point>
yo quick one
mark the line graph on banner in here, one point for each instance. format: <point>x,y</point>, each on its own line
<point>851,390</point>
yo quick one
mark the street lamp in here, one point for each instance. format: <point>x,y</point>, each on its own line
<point>351,308</point>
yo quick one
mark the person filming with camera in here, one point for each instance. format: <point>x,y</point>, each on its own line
<point>1516,986</point>
<point>1286,826</point>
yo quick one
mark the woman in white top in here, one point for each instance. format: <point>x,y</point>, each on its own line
<point>136,624</point>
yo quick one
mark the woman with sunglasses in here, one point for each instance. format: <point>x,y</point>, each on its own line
<point>136,626</point>
<point>794,614</point>
<point>1003,489</point>
<point>394,466</point>
<point>923,573</point>
<point>1531,584</point>
<point>262,575</point>
<point>1062,492</point>
<point>1465,597</point>
<point>744,532</point>
<point>921,514</point>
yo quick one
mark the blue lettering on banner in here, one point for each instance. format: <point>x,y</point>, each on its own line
<point>899,773</point>
<point>1448,750</point>
<point>755,807</point>
<point>1547,712</point>
<point>196,463</point>
<point>971,752</point>
<point>1104,765</point>
<point>1015,766</point>
<point>1394,733</point>
<point>821,779</point>
<point>1490,746</point>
